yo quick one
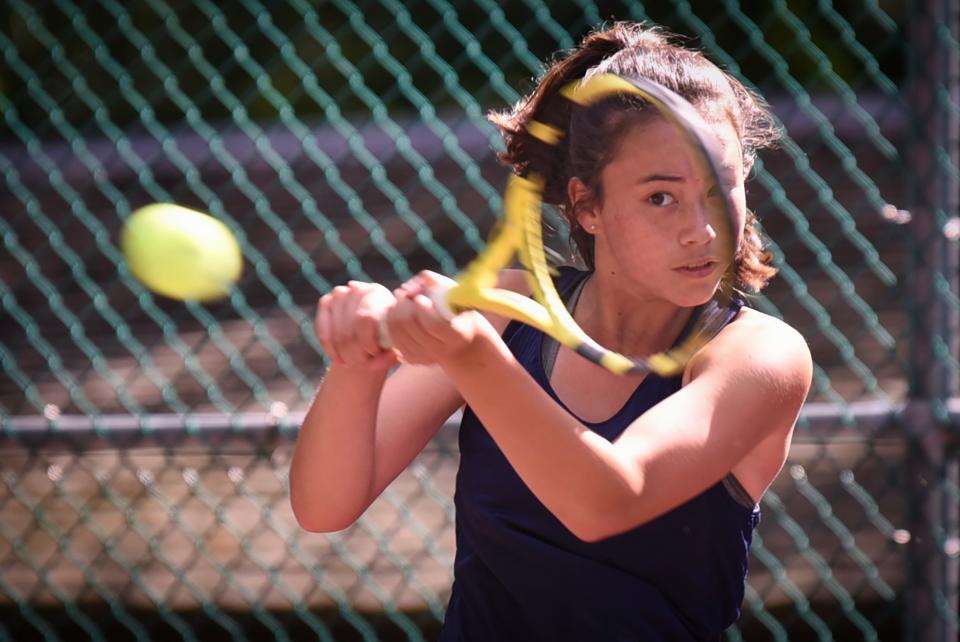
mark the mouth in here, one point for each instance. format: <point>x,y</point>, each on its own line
<point>698,268</point>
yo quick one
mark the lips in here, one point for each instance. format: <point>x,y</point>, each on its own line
<point>698,267</point>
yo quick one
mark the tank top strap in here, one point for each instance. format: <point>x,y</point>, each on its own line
<point>711,317</point>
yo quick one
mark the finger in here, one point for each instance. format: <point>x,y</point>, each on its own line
<point>336,330</point>
<point>385,359</point>
<point>434,324</point>
<point>347,324</point>
<point>341,315</point>
<point>436,286</point>
<point>325,331</point>
<point>426,336</point>
<point>421,282</point>
<point>368,334</point>
<point>409,289</point>
<point>350,351</point>
<point>406,333</point>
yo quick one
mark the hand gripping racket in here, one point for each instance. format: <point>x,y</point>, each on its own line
<point>519,234</point>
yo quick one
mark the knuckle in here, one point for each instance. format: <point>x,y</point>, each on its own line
<point>366,315</point>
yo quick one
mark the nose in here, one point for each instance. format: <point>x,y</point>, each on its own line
<point>697,227</point>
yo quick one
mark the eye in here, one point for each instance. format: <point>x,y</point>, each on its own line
<point>661,199</point>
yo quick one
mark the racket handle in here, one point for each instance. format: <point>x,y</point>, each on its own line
<point>438,295</point>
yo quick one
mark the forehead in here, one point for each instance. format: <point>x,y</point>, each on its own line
<point>654,141</point>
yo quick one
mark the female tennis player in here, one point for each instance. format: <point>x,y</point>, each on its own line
<point>590,506</point>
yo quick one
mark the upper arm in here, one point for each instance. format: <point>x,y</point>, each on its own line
<point>416,400</point>
<point>748,385</point>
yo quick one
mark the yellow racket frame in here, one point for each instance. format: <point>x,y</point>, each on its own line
<point>519,234</point>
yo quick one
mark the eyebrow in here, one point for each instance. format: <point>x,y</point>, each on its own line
<point>651,178</point>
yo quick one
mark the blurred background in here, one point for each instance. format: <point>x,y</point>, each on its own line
<point>145,442</point>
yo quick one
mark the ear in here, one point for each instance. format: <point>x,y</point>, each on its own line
<point>581,198</point>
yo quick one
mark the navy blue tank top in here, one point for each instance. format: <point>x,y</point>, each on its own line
<point>520,575</point>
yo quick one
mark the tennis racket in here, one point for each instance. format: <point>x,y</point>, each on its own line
<point>518,235</point>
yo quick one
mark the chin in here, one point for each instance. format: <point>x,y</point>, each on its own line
<point>693,297</point>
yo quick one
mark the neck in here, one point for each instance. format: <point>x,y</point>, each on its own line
<point>625,320</point>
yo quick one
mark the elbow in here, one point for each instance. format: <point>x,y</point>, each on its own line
<point>603,522</point>
<point>589,535</point>
<point>611,512</point>
<point>315,517</point>
<point>321,508</point>
<point>322,522</point>
<point>321,526</point>
<point>595,531</point>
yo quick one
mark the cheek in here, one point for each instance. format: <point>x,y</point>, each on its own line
<point>634,240</point>
<point>625,224</point>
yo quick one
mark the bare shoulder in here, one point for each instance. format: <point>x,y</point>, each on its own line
<point>759,349</point>
<point>753,330</point>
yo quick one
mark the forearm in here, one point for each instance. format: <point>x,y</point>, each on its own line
<point>332,470</point>
<point>575,472</point>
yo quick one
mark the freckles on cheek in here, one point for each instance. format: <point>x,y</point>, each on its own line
<point>637,249</point>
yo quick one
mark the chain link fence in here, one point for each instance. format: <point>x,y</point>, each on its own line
<point>145,442</point>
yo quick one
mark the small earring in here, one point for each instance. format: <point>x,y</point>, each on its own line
<point>593,227</point>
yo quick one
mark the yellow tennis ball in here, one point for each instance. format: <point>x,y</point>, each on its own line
<point>181,253</point>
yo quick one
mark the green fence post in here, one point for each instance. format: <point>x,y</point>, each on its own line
<point>931,597</point>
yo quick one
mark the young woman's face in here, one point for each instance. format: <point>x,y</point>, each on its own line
<point>658,222</point>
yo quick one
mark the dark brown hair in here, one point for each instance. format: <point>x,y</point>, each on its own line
<point>637,50</point>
